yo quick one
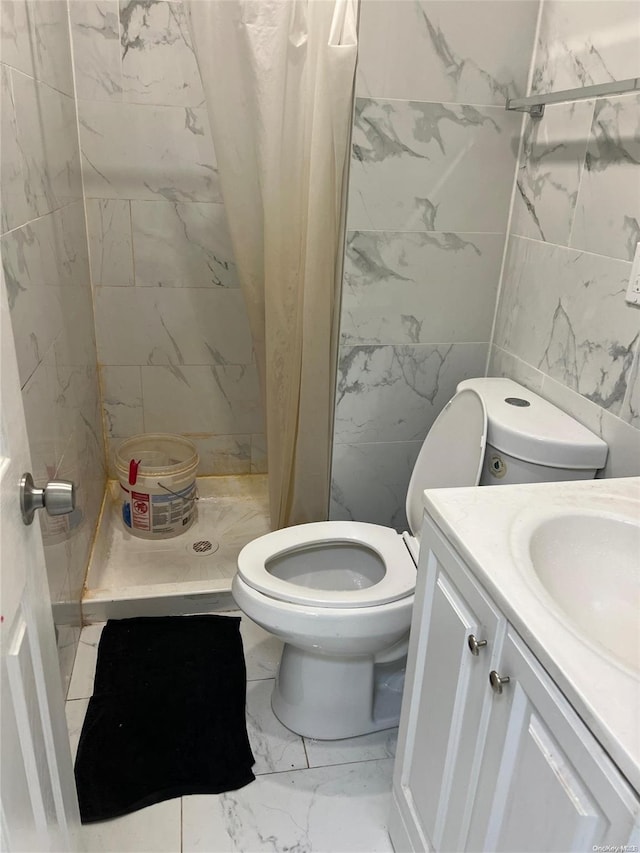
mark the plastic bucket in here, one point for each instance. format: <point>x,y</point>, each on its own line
<point>157,474</point>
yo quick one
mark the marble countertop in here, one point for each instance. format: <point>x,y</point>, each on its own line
<point>481,524</point>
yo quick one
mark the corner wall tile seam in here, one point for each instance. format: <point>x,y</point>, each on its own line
<point>40,82</point>
<point>534,49</point>
<point>42,216</point>
<point>105,458</point>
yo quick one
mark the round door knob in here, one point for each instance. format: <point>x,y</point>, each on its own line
<point>475,645</point>
<point>496,681</point>
<point>58,497</point>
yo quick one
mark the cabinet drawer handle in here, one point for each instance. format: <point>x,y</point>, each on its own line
<point>475,645</point>
<point>496,681</point>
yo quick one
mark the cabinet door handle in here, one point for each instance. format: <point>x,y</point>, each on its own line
<point>475,645</point>
<point>496,681</point>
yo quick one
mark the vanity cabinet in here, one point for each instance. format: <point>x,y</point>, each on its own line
<point>500,764</point>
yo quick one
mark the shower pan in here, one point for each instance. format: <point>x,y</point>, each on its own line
<point>190,573</point>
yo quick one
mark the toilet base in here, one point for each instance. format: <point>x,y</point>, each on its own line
<point>328,698</point>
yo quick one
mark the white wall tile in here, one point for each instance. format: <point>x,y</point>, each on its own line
<point>138,151</point>
<point>563,326</point>
<point>96,49</point>
<point>223,454</point>
<point>259,454</point>
<point>49,42</point>
<point>582,43</point>
<point>549,172</point>
<point>14,36</point>
<point>15,208</point>
<point>46,121</point>
<point>503,363</point>
<point>564,312</point>
<point>430,50</point>
<point>179,326</point>
<point>159,65</point>
<point>431,167</point>
<point>369,482</point>
<point>122,400</point>
<point>182,245</point>
<point>83,463</point>
<point>47,439</point>
<point>631,405</point>
<point>394,393</point>
<point>607,219</point>
<point>35,39</point>
<point>404,288</point>
<point>45,266</point>
<point>110,244</point>
<point>201,399</point>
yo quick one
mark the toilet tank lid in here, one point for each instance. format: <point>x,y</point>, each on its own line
<point>526,426</point>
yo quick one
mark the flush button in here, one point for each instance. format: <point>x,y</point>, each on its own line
<point>517,401</point>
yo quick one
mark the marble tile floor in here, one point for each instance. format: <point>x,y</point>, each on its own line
<point>309,796</point>
<point>232,510</point>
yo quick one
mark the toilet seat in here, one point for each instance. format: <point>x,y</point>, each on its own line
<point>399,578</point>
<point>451,455</point>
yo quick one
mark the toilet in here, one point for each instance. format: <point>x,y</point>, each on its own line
<point>339,594</point>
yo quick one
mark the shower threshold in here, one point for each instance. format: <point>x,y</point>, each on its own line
<point>190,573</point>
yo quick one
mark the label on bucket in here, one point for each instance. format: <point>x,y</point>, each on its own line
<point>172,510</point>
<point>140,514</point>
<point>165,514</point>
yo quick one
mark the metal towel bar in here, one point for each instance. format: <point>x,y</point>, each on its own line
<point>535,104</point>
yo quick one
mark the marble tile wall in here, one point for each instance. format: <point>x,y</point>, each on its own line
<point>432,173</point>
<point>46,272</point>
<point>173,340</point>
<point>563,326</point>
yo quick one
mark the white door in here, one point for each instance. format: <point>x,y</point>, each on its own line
<point>37,790</point>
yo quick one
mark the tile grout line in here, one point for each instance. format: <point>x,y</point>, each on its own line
<point>322,766</point>
<point>306,754</point>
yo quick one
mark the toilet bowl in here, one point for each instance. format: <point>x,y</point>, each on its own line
<point>340,593</point>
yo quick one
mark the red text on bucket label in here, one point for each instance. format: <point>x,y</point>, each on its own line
<point>140,515</point>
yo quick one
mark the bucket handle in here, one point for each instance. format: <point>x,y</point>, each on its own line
<point>185,500</point>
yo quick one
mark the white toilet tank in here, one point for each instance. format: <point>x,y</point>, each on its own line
<point>529,440</point>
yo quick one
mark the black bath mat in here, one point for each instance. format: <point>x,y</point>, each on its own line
<point>167,715</point>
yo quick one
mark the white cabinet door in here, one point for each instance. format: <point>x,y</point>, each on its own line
<point>443,713</point>
<point>545,783</point>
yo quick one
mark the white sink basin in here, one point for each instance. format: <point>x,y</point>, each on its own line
<point>586,564</point>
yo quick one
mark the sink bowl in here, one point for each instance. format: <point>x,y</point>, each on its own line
<point>586,563</point>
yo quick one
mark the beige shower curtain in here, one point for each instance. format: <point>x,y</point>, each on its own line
<point>278,80</point>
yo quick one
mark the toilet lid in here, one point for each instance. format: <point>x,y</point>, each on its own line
<point>451,454</point>
<point>398,569</point>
